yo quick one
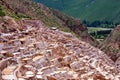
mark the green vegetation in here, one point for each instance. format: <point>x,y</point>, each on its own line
<point>4,11</point>
<point>45,16</point>
<point>20,15</point>
<point>115,50</point>
<point>1,11</point>
<point>99,33</point>
<point>103,24</point>
<point>89,10</point>
<point>94,29</point>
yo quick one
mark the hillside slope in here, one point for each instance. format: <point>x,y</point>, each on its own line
<point>90,10</point>
<point>51,18</point>
<point>111,45</point>
<point>34,52</point>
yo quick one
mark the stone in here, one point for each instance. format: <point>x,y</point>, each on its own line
<point>47,54</point>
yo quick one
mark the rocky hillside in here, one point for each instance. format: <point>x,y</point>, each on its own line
<point>111,45</point>
<point>33,47</point>
<point>49,17</point>
<point>31,51</point>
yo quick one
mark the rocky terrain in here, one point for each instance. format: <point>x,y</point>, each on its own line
<point>39,43</point>
<point>50,17</point>
<point>111,46</point>
<point>31,51</point>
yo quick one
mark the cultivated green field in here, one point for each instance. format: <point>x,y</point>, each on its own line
<point>90,10</point>
<point>99,33</point>
<point>94,29</point>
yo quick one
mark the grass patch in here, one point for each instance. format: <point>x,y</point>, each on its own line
<point>95,29</point>
<point>99,33</point>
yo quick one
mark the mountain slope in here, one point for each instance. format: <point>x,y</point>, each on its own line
<point>36,52</point>
<point>51,18</point>
<point>90,10</point>
<point>29,50</point>
<point>111,45</point>
<point>5,9</point>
